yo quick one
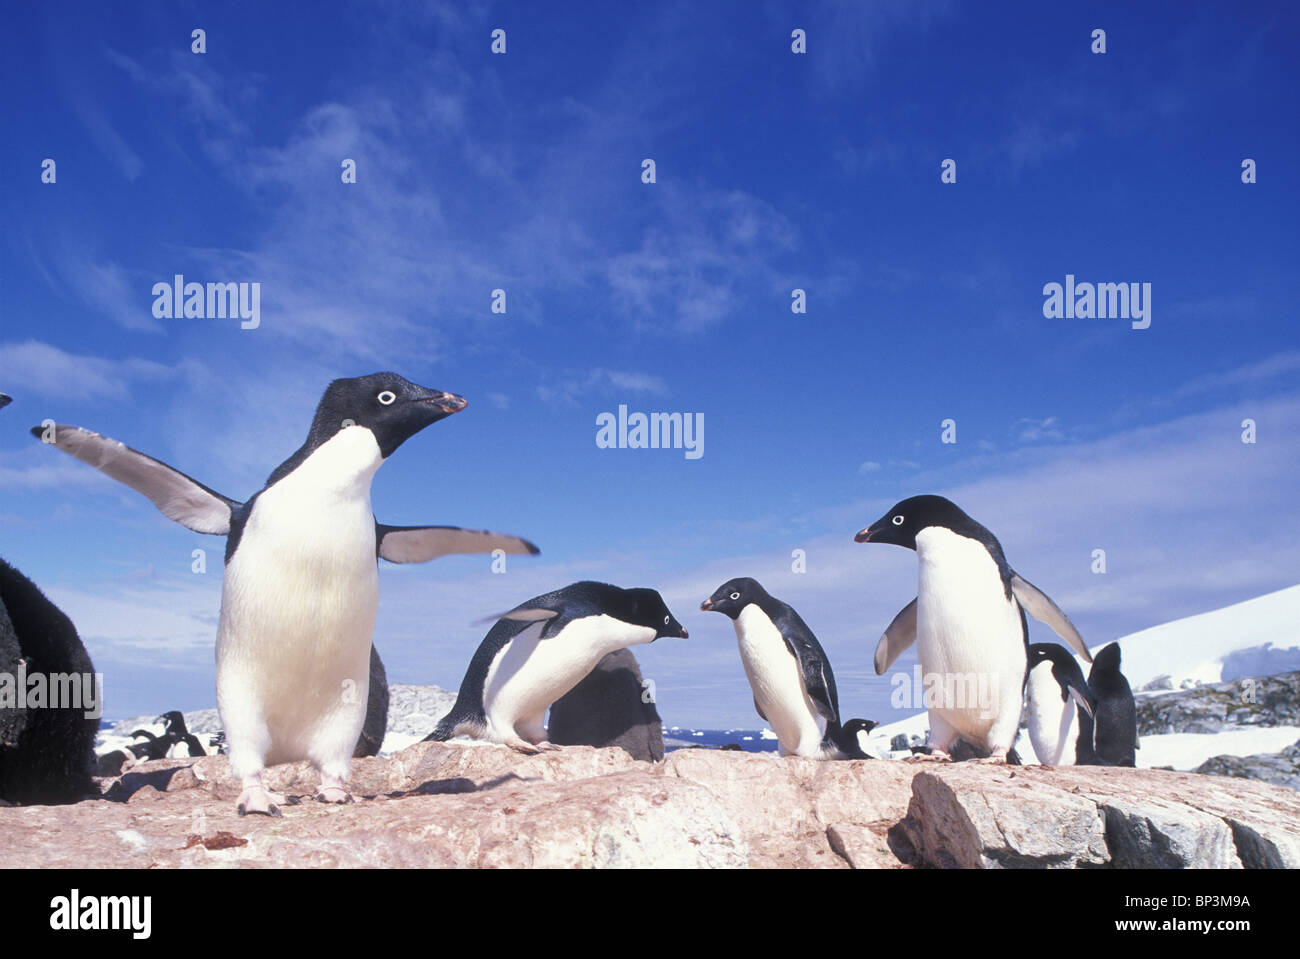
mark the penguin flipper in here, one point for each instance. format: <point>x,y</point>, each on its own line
<point>1040,606</point>
<point>759,711</point>
<point>419,544</point>
<point>177,496</point>
<point>898,636</point>
<point>1082,699</point>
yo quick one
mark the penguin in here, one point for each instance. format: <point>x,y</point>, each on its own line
<point>791,678</point>
<point>538,651</point>
<point>300,589</point>
<point>968,623</point>
<point>179,735</point>
<point>1057,695</point>
<point>47,755</point>
<point>609,707</point>
<point>5,400</point>
<point>153,747</point>
<point>1109,737</point>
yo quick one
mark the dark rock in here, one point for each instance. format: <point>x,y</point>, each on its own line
<point>1212,708</point>
<point>899,743</point>
<point>1280,769</point>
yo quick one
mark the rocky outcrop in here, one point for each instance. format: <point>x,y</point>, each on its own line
<point>1281,769</point>
<point>447,804</point>
<point>1264,701</point>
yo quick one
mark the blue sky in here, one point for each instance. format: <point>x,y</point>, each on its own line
<point>775,171</point>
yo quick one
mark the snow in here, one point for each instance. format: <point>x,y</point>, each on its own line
<point>1189,750</point>
<point>1259,637</point>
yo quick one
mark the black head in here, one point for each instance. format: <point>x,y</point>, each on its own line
<point>5,400</point>
<point>1105,674</point>
<point>1053,653</point>
<point>855,726</point>
<point>907,518</point>
<point>649,609</point>
<point>392,407</point>
<point>174,721</point>
<point>734,595</point>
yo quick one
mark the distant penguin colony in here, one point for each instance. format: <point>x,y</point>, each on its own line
<point>794,688</point>
<point>298,676</point>
<point>540,650</point>
<point>300,590</point>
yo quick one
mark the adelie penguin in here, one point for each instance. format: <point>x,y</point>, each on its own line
<point>791,678</point>
<point>1109,738</point>
<point>968,624</point>
<point>1057,697</point>
<point>300,588</point>
<point>540,650</point>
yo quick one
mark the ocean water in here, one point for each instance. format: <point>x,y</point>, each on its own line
<point>749,740</point>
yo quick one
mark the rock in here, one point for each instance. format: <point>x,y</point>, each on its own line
<point>608,708</point>
<point>1281,769</point>
<point>437,805</point>
<point>415,710</point>
<point>900,743</point>
<point>964,817</point>
<point>1212,708</point>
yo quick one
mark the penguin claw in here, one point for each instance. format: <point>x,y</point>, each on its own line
<point>256,799</point>
<point>335,795</point>
<point>546,745</point>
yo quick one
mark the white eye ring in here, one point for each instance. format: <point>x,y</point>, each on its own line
<point>735,596</point>
<point>898,520</point>
<point>387,397</point>
<point>666,618</point>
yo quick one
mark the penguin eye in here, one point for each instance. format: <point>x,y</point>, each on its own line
<point>666,618</point>
<point>735,596</point>
<point>387,397</point>
<point>898,520</point>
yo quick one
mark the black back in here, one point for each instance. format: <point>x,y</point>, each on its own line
<point>1116,715</point>
<point>46,755</point>
<point>376,725</point>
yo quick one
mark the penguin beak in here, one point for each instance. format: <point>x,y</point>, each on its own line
<point>864,536</point>
<point>4,401</point>
<point>707,605</point>
<point>448,402</point>
<point>685,634</point>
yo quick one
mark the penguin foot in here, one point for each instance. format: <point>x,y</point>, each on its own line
<point>335,794</point>
<point>258,799</point>
<point>933,756</point>
<point>547,745</point>
<point>523,746</point>
<point>994,760</point>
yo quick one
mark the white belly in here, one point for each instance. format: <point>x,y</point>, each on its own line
<point>298,607</point>
<point>1053,723</point>
<point>777,682</point>
<point>969,636</point>
<point>529,673</point>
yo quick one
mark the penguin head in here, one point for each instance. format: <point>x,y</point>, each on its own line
<point>173,720</point>
<point>1105,675</point>
<point>5,400</point>
<point>908,517</point>
<point>392,407</point>
<point>733,596</point>
<point>649,609</point>
<point>855,726</point>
